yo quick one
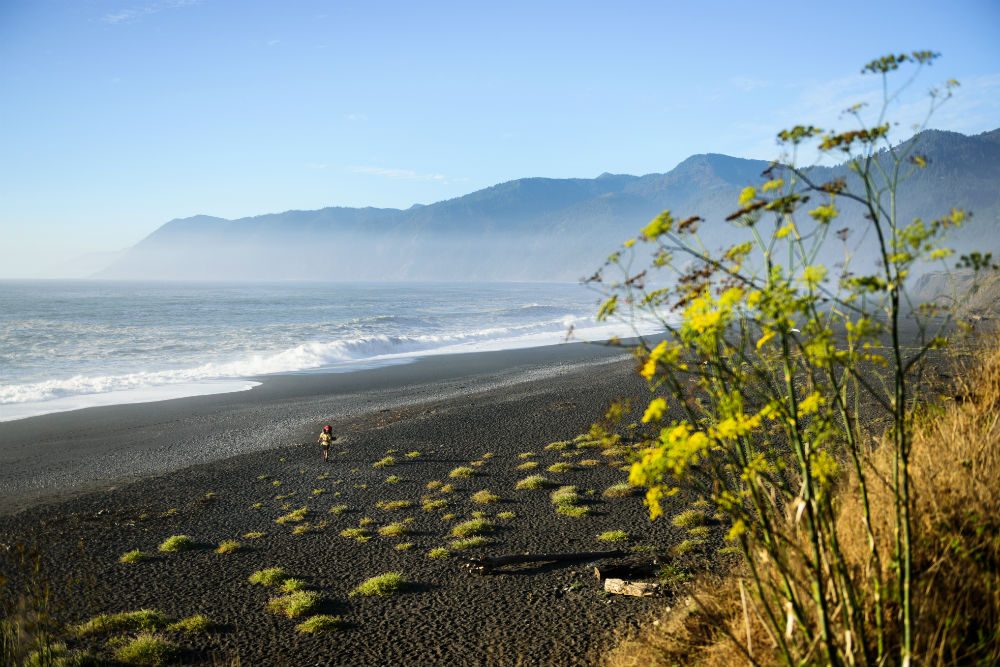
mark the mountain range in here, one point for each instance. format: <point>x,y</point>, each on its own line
<point>539,228</point>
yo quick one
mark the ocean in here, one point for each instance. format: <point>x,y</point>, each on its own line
<point>66,345</point>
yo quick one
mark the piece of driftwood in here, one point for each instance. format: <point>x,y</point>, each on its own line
<point>639,589</point>
<point>486,565</point>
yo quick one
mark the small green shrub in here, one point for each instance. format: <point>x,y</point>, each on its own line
<point>447,488</point>
<point>404,546</point>
<point>533,483</point>
<point>318,492</point>
<point>134,556</point>
<point>472,527</point>
<point>307,527</point>
<point>434,484</point>
<point>462,472</point>
<point>146,649</point>
<point>700,532</point>
<point>484,497</point>
<point>294,605</point>
<point>176,543</point>
<point>687,546</point>
<point>565,495</point>
<point>506,516</point>
<point>191,624</point>
<point>276,482</point>
<point>413,455</point>
<point>562,466</point>
<point>527,455</point>
<point>365,521</point>
<point>557,446</point>
<point>528,465</point>
<point>449,517</point>
<point>228,547</point>
<point>613,536</point>
<point>338,509</point>
<point>438,553</point>
<point>254,535</point>
<point>393,479</point>
<point>272,576</point>
<point>319,623</point>
<point>381,585</point>
<point>575,511</point>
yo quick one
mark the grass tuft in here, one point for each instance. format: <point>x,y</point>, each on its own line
<point>472,527</point>
<point>392,505</point>
<point>533,483</point>
<point>385,463</point>
<point>272,576</point>
<point>126,621</point>
<point>431,504</point>
<point>318,624</point>
<point>462,472</point>
<point>528,465</point>
<point>146,649</point>
<point>228,547</point>
<point>620,490</point>
<point>393,479</point>
<point>292,585</point>
<point>470,543</point>
<point>294,516</point>
<point>562,466</point>
<point>134,556</point>
<point>613,536</point>
<point>191,624</point>
<point>254,535</point>
<point>294,605</point>
<point>438,553</point>
<point>484,497</point>
<point>389,583</point>
<point>359,534</point>
<point>506,516</point>
<point>557,446</point>
<point>176,543</point>
<point>397,529</point>
<point>338,509</point>
<point>689,519</point>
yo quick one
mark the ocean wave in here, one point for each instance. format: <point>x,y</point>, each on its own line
<point>302,357</point>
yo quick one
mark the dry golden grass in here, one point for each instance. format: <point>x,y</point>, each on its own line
<point>955,465</point>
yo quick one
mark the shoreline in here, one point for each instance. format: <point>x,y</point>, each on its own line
<point>54,457</point>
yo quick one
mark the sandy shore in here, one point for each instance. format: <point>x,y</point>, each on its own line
<point>452,410</point>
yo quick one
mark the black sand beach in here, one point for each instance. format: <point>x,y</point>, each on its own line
<point>209,466</point>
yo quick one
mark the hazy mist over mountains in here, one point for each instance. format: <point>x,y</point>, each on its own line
<point>538,228</point>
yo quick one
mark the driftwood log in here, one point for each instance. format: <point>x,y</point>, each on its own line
<point>486,565</point>
<point>638,589</point>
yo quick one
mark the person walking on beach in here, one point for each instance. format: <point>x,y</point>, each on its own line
<point>325,438</point>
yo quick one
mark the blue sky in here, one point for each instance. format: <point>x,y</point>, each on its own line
<point>118,115</point>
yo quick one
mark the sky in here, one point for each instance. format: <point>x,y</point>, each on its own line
<point>119,115</point>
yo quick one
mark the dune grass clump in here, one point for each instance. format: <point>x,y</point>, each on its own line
<point>565,495</point>
<point>687,546</point>
<point>337,510</point>
<point>294,516</point>
<point>365,521</point>
<point>620,490</point>
<point>575,511</point>
<point>146,650</point>
<point>484,497</point>
<point>613,536</point>
<point>557,446</point>
<point>472,527</point>
<point>689,519</point>
<point>392,505</point>
<point>700,532</point>
<point>589,463</point>
<point>528,465</point>
<point>254,535</point>
<point>404,546</point>
<point>318,624</point>
<point>527,455</point>
<point>308,527</point>
<point>276,483</point>
<point>432,504</point>
<point>393,479</point>
<point>562,466</point>
<point>228,547</point>
<point>319,492</point>
<point>126,621</point>
<point>396,529</point>
<point>294,605</point>
<point>470,543</point>
<point>413,455</point>
<point>447,488</point>
<point>462,472</point>
<point>191,624</point>
<point>272,576</point>
<point>438,553</point>
<point>292,585</point>
<point>433,485</point>
<point>131,557</point>
<point>533,483</point>
<point>385,462</point>
<point>382,585</point>
<point>176,543</point>
<point>506,516</point>
<point>449,517</point>
<point>358,534</point>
